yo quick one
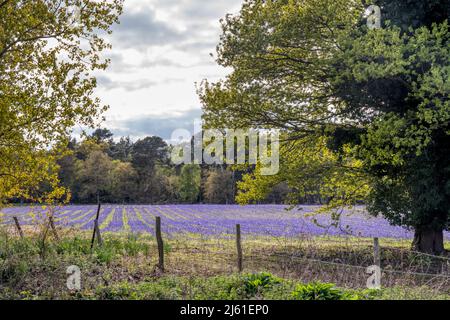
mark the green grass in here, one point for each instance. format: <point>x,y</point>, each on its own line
<point>235,287</point>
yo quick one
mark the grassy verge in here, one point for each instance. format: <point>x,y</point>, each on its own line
<point>205,268</point>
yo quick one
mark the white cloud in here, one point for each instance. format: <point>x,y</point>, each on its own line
<point>160,50</point>
<point>162,125</point>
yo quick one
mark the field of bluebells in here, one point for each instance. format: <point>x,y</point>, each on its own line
<point>215,220</point>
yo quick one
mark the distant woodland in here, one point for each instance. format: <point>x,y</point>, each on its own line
<point>99,167</point>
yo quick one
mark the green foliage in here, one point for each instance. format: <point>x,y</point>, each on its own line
<point>120,172</point>
<point>114,248</point>
<point>47,84</point>
<point>404,293</point>
<point>139,172</point>
<point>314,174</point>
<point>190,183</point>
<point>372,104</point>
<point>328,291</point>
<point>413,13</point>
<point>75,246</point>
<point>255,283</point>
<point>119,270</point>
<point>167,247</point>
<point>94,175</point>
<point>213,288</point>
<point>317,291</point>
<point>165,289</point>
<point>406,145</point>
<point>146,154</point>
<point>229,288</point>
<point>219,186</point>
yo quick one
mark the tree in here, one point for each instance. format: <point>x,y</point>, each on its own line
<point>67,168</point>
<point>219,186</point>
<point>311,170</point>
<point>95,176</point>
<point>48,56</point>
<point>373,103</point>
<point>103,135</point>
<point>279,194</point>
<point>169,183</point>
<point>88,170</point>
<point>190,183</point>
<point>148,152</point>
<point>122,149</point>
<point>145,155</point>
<point>123,182</point>
<point>401,86</point>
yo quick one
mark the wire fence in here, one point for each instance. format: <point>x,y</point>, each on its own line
<point>303,268</point>
<point>340,261</point>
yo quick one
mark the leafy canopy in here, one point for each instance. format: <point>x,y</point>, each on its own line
<point>364,113</point>
<point>48,56</point>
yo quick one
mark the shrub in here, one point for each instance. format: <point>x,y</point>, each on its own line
<point>318,291</point>
<point>76,246</point>
<point>105,254</point>
<point>133,247</point>
<point>256,283</point>
<point>216,288</point>
<point>161,289</point>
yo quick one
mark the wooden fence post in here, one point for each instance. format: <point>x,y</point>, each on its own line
<point>19,228</point>
<point>160,243</point>
<point>52,225</point>
<point>376,252</point>
<point>96,228</point>
<point>97,231</point>
<point>239,247</point>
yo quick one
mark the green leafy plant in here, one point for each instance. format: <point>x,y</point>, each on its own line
<point>105,254</point>
<point>255,283</point>
<point>167,248</point>
<point>318,291</point>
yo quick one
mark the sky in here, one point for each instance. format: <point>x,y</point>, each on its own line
<point>161,49</point>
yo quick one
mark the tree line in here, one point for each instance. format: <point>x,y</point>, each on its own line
<point>126,171</point>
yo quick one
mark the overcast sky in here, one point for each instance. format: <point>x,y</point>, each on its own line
<point>161,49</point>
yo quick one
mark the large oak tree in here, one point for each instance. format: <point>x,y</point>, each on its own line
<point>364,112</point>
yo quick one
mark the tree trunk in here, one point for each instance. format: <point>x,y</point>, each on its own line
<point>429,241</point>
